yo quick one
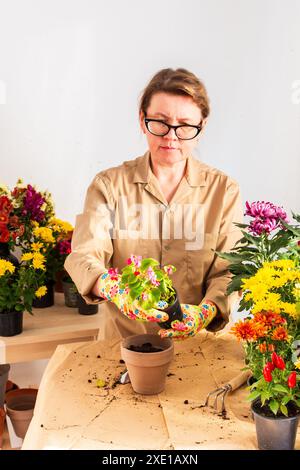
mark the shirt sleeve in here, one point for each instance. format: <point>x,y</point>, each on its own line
<point>218,277</point>
<point>92,247</point>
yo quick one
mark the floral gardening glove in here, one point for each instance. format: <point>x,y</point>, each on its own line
<point>109,283</point>
<point>195,318</point>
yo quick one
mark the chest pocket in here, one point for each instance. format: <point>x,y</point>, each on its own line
<point>199,260</point>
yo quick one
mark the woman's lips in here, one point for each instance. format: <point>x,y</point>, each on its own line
<point>168,148</point>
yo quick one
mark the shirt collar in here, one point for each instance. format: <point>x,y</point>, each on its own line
<point>195,174</point>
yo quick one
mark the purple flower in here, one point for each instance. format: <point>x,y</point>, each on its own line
<point>258,226</point>
<point>64,247</point>
<point>32,204</point>
<point>260,209</point>
<point>267,216</point>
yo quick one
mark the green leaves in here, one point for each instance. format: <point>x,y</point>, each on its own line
<point>274,406</point>
<point>147,282</point>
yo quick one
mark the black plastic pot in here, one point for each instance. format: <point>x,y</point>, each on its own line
<point>70,293</point>
<point>11,323</point>
<point>7,255</point>
<point>48,299</point>
<point>84,308</point>
<point>274,433</point>
<point>174,312</point>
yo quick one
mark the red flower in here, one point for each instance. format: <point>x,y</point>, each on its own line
<point>4,233</point>
<point>292,379</point>
<point>278,361</point>
<point>267,374</point>
<point>5,204</point>
<point>269,365</point>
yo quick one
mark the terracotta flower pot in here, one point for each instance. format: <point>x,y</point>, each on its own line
<point>4,370</point>
<point>19,407</point>
<point>147,370</point>
<point>2,424</point>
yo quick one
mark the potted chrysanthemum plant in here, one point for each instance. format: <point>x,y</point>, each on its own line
<point>150,286</point>
<point>265,267</point>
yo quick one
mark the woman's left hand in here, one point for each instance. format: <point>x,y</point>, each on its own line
<point>195,318</point>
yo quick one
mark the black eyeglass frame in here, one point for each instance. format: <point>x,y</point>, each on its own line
<point>147,121</point>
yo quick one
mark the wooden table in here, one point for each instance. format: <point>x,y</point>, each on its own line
<point>71,412</point>
<point>45,330</point>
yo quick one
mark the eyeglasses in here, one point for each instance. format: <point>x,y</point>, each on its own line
<point>183,132</point>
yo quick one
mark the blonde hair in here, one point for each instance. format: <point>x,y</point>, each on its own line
<point>176,82</point>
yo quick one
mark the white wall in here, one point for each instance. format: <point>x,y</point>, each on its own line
<point>71,73</point>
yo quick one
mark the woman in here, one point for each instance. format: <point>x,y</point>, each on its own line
<point>166,205</point>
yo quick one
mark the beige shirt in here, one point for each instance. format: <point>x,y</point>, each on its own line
<point>126,213</point>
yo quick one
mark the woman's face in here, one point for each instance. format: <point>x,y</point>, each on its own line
<point>174,110</point>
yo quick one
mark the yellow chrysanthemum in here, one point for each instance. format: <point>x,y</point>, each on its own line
<point>6,266</point>
<point>41,291</point>
<point>37,246</point>
<point>297,364</point>
<point>59,225</point>
<point>38,261</point>
<point>44,233</point>
<point>27,256</point>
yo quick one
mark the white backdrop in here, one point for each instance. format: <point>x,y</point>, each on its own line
<point>71,73</point>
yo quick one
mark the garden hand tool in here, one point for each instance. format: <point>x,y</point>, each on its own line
<point>222,392</point>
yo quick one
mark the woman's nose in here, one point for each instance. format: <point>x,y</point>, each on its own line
<point>171,135</point>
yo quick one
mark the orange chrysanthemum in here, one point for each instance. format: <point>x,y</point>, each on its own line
<point>245,330</point>
<point>280,334</point>
<point>269,318</point>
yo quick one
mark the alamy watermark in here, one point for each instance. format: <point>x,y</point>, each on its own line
<point>152,222</point>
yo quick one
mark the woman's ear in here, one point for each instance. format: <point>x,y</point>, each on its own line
<point>142,122</point>
<point>204,122</point>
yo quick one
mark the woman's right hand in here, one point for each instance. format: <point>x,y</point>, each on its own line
<point>108,287</point>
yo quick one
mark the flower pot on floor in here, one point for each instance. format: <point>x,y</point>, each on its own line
<point>11,323</point>
<point>274,432</point>
<point>147,359</point>
<point>2,425</point>
<point>4,370</point>
<point>84,308</point>
<point>70,293</point>
<point>47,300</point>
<point>19,407</point>
<point>174,312</point>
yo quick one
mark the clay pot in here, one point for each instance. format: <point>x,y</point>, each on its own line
<point>19,407</point>
<point>4,370</point>
<point>2,425</point>
<point>147,370</point>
